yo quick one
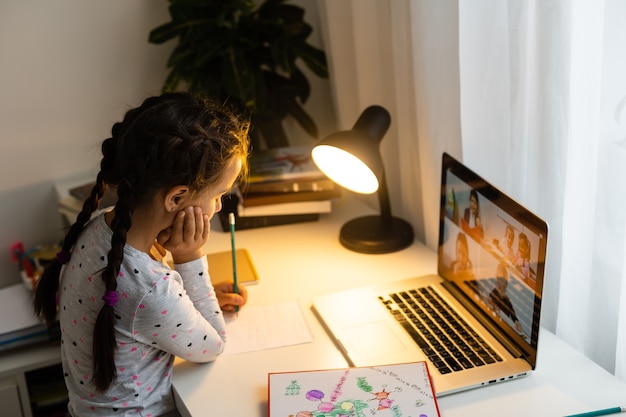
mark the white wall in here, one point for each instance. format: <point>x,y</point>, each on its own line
<point>69,69</point>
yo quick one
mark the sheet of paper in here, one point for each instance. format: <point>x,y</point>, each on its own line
<point>16,309</point>
<point>266,327</point>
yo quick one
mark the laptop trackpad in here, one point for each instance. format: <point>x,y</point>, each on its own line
<point>372,340</point>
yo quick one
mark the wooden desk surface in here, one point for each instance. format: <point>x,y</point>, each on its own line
<point>305,260</point>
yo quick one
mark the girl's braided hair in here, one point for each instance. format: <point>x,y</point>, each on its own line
<point>172,139</point>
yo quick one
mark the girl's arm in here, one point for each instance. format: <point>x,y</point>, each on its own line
<point>184,320</point>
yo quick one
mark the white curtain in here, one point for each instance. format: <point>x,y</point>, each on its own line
<point>532,96</point>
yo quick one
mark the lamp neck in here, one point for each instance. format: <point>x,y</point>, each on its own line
<point>374,122</point>
<point>383,199</point>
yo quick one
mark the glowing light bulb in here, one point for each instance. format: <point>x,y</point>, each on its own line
<point>345,169</point>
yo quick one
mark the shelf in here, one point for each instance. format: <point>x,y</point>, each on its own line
<point>47,391</point>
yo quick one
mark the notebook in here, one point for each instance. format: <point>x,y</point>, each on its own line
<point>488,288</point>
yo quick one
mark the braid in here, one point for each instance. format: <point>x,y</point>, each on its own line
<point>45,302</point>
<point>104,331</point>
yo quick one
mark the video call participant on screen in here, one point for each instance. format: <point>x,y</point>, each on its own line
<point>462,266</point>
<point>522,259</point>
<point>471,222</point>
<point>498,298</point>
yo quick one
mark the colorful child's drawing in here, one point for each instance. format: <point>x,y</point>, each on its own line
<point>392,390</point>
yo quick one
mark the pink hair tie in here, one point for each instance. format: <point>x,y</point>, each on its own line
<point>110,298</point>
<point>63,256</point>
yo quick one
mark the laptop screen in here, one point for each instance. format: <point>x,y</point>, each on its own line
<point>493,250</point>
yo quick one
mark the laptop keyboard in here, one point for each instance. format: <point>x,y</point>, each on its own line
<point>444,337</point>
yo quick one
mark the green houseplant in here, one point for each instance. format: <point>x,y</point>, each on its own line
<point>244,53</point>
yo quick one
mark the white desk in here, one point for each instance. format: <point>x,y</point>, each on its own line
<point>304,260</point>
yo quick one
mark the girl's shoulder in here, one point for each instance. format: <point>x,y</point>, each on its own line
<point>141,281</point>
<point>142,270</point>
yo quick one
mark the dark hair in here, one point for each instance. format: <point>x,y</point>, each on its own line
<point>474,194</point>
<point>172,139</point>
<point>523,238</point>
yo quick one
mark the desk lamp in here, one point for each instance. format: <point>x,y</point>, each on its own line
<point>352,159</point>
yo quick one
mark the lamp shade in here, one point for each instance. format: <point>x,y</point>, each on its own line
<point>352,159</point>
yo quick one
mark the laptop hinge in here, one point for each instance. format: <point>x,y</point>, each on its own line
<point>513,349</point>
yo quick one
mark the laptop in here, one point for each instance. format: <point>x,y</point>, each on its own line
<point>476,322</point>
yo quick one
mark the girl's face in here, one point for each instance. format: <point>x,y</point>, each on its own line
<point>210,200</point>
<point>523,247</point>
<point>473,203</point>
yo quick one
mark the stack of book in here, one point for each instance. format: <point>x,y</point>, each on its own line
<point>73,192</point>
<point>284,186</point>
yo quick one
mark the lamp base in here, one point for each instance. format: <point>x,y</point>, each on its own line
<point>373,234</point>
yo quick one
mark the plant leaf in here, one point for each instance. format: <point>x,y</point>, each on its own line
<point>302,117</point>
<point>314,59</point>
<point>171,82</point>
<point>238,78</point>
<point>163,33</point>
<point>272,131</point>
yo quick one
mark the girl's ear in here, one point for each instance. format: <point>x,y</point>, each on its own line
<point>176,198</point>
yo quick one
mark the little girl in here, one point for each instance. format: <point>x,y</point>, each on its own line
<point>124,315</point>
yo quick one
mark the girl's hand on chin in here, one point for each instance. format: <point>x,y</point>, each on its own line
<point>187,235</point>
